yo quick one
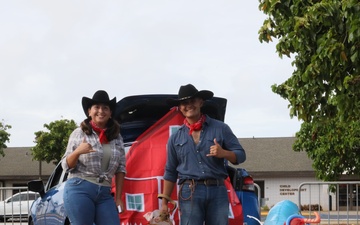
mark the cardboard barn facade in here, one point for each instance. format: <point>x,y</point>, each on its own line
<point>145,166</point>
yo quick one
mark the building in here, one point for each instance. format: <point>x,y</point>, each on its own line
<point>279,171</point>
<point>17,167</point>
<point>275,167</point>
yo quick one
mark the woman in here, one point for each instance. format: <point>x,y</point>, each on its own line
<point>94,154</point>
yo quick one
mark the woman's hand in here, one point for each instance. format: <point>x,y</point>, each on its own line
<point>120,206</point>
<point>84,148</point>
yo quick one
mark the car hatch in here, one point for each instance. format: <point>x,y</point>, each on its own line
<point>137,113</point>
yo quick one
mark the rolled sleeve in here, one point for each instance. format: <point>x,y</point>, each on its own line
<point>77,134</point>
<point>232,143</point>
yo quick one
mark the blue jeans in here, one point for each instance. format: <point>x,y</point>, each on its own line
<point>201,203</point>
<point>87,203</point>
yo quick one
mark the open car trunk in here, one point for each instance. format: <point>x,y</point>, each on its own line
<point>137,113</point>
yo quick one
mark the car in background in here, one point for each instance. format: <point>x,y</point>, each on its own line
<point>17,206</point>
<point>137,114</point>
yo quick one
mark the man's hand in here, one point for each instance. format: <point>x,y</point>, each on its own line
<point>216,150</point>
<point>164,208</point>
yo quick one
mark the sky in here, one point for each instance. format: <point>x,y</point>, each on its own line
<point>52,53</point>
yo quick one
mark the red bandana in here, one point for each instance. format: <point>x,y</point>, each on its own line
<point>102,136</point>
<point>195,126</point>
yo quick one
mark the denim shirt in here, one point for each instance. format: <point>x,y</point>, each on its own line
<point>89,165</point>
<point>187,160</point>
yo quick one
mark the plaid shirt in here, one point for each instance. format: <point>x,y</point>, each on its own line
<point>89,165</point>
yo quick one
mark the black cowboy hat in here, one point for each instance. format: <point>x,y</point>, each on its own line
<point>187,92</point>
<point>99,97</point>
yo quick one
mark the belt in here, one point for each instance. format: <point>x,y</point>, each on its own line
<point>206,182</point>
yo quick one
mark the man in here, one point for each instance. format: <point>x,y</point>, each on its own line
<point>197,155</point>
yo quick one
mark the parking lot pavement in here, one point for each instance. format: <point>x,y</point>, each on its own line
<point>14,223</point>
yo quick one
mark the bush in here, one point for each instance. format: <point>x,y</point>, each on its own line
<point>313,207</point>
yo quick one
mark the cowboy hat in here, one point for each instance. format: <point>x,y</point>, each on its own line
<point>99,97</point>
<point>187,92</point>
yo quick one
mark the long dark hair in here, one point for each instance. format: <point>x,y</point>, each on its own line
<point>112,128</point>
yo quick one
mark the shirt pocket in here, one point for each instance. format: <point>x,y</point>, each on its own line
<point>181,148</point>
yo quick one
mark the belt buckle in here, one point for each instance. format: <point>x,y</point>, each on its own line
<point>205,182</point>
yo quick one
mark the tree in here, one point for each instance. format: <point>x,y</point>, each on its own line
<point>323,38</point>
<point>50,146</point>
<point>4,136</point>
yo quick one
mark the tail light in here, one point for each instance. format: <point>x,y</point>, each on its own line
<point>248,184</point>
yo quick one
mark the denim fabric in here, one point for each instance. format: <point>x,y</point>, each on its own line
<point>200,203</point>
<point>187,160</point>
<point>87,203</point>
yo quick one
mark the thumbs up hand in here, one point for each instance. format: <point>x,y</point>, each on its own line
<point>216,150</point>
<point>84,147</point>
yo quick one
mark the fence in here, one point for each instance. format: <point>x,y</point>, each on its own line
<point>15,203</point>
<point>336,202</point>
<point>258,194</point>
